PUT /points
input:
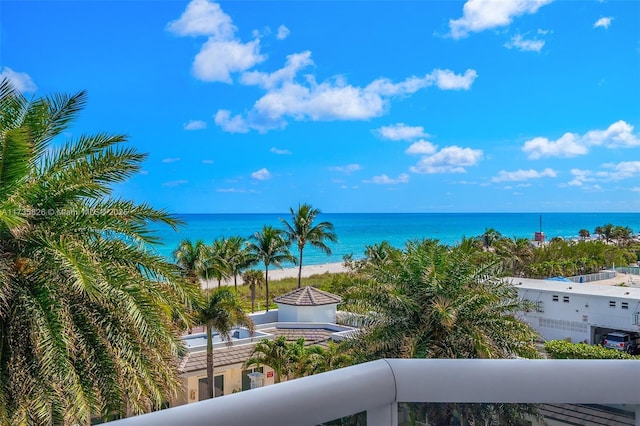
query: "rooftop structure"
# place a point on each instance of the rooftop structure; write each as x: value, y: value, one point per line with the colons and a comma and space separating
x: 307, y: 296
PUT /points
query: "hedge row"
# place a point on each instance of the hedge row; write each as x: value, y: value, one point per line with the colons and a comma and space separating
x: 561, y: 349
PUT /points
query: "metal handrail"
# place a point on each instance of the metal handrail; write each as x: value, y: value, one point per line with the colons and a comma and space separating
x: 366, y: 387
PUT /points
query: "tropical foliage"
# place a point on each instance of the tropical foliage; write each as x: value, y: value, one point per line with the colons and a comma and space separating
x: 269, y: 247
x: 302, y: 230
x: 430, y: 301
x: 221, y: 312
x: 87, y: 311
x: 291, y: 360
x: 253, y: 279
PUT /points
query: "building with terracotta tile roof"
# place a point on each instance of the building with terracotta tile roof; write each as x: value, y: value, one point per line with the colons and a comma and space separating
x: 306, y: 313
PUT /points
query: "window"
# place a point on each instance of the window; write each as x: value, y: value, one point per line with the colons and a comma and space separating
x: 555, y: 298
x: 539, y: 306
x: 246, y: 381
x: 612, y: 303
x: 218, y: 387
x: 565, y: 299
x: 624, y: 305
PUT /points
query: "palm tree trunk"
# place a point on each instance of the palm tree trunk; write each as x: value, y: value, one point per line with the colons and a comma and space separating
x: 266, y: 283
x: 300, y: 270
x: 253, y: 298
x: 235, y: 282
x: 209, y: 362
x: 219, y: 283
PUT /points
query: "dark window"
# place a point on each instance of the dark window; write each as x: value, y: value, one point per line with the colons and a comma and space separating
x: 612, y: 303
x: 555, y: 297
x: 565, y: 299
x: 624, y: 305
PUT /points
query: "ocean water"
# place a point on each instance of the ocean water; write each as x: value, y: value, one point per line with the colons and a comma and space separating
x: 357, y: 230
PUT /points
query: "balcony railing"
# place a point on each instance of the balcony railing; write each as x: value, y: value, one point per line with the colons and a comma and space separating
x: 377, y: 387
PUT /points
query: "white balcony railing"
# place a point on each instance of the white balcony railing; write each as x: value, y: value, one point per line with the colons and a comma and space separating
x: 376, y: 387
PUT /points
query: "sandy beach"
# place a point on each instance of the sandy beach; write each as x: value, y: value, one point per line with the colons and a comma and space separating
x: 277, y: 273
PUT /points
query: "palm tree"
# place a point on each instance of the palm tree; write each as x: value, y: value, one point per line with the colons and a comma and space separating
x: 192, y: 259
x: 584, y: 234
x: 268, y: 247
x: 253, y: 278
x: 434, y: 302
x: 605, y: 232
x: 489, y: 237
x: 222, y: 313
x: 302, y: 230
x: 278, y: 354
x: 87, y: 309
x: 237, y: 257
x: 319, y: 359
x: 218, y: 266
x: 515, y: 254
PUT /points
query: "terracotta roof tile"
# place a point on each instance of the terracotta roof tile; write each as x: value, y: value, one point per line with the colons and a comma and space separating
x: 195, y: 361
x: 307, y: 296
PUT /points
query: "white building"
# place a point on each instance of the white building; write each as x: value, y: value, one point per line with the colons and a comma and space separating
x: 579, y: 312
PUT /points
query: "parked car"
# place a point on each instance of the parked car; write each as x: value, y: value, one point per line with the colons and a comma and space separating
x: 622, y: 341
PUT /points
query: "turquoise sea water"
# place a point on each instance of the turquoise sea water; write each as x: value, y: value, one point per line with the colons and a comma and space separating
x: 357, y: 230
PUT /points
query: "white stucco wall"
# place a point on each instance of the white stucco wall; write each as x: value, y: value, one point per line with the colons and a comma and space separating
x: 322, y: 313
x: 576, y: 317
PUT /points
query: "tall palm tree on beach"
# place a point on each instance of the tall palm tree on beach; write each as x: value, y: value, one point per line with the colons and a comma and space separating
x: 86, y: 308
x: 254, y: 279
x: 192, y: 259
x: 237, y: 257
x: 218, y: 265
x: 303, y: 230
x: 222, y: 312
x: 269, y: 247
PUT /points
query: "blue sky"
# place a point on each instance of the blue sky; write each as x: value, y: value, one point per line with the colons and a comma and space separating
x: 359, y: 106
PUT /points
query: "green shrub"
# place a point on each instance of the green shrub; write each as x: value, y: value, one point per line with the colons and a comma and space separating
x: 561, y: 349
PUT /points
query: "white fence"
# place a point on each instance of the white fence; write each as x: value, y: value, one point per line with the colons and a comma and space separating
x: 377, y: 387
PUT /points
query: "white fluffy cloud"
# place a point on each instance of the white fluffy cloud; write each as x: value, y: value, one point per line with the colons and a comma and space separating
x: 195, y: 125
x: 451, y: 159
x: 524, y: 45
x: 222, y: 54
x: 618, y: 135
x: 278, y: 151
x: 334, y: 99
x: 401, y: 132
x: 620, y: 171
x: 603, y: 22
x: 386, y: 180
x: 170, y: 160
x: 480, y: 15
x: 235, y: 124
x: 347, y: 170
x: 20, y: 80
x: 421, y: 147
x: 262, y: 174
x: 203, y: 18
x: 522, y: 175
x: 219, y: 58
x: 611, y: 172
x: 283, y: 32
